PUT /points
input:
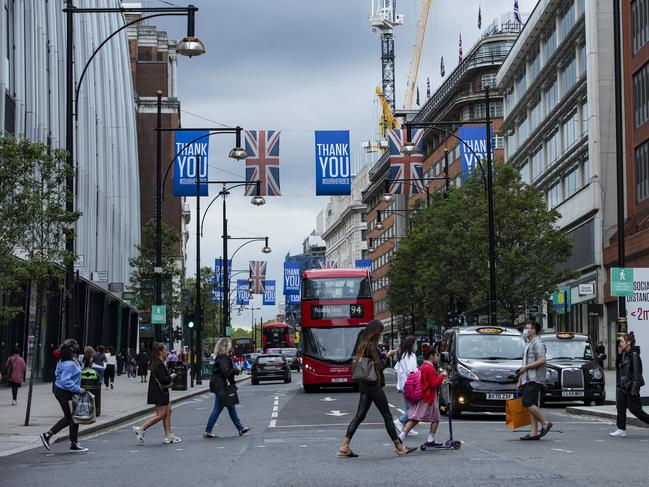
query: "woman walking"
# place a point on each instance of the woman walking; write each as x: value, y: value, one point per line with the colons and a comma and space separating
x: 159, y: 385
x: 372, y: 392
x: 629, y: 382
x: 14, y: 370
x: 407, y: 363
x: 427, y: 409
x: 142, y: 364
x: 222, y: 374
x: 111, y: 367
x: 67, y: 384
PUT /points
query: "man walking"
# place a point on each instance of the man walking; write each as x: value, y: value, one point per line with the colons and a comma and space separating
x: 531, y: 378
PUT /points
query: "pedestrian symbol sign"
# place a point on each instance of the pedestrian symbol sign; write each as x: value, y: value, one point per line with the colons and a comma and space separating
x: 621, y: 281
x: 159, y: 314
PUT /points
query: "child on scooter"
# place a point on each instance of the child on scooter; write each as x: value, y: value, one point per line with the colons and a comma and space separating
x: 427, y: 409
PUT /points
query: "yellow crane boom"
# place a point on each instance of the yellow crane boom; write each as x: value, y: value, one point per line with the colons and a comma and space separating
x: 417, y: 47
x: 388, y: 121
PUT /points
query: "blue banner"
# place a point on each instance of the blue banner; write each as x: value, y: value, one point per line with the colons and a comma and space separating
x: 333, y: 166
x: 218, y: 269
x: 185, y: 165
x: 364, y: 264
x: 269, y: 293
x: 216, y: 295
x: 242, y: 292
x: 292, y: 278
x: 293, y: 299
x: 475, y: 138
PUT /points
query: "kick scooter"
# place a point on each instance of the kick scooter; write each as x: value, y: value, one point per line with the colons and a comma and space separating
x: 450, y: 444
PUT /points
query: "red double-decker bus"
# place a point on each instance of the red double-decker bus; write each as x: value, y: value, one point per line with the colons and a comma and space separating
x: 336, y: 304
x: 275, y: 335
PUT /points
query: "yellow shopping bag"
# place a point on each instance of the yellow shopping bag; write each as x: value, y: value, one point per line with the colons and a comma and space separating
x: 516, y: 416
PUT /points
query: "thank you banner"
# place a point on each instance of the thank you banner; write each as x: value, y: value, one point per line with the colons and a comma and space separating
x: 242, y: 292
x: 333, y: 163
x: 191, y: 162
x: 474, y: 138
x: 364, y: 264
x: 269, y: 293
x: 218, y: 269
x: 293, y: 299
x: 291, y: 278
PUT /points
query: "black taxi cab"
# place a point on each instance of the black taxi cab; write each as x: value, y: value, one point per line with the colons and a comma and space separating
x: 572, y: 371
x: 481, y: 363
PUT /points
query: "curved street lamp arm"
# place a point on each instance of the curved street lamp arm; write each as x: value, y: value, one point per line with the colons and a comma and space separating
x: 85, y: 68
x: 205, y: 212
x: 229, y: 130
x: 224, y: 190
x: 252, y: 239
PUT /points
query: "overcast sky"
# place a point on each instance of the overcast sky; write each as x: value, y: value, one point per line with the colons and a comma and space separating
x: 299, y: 66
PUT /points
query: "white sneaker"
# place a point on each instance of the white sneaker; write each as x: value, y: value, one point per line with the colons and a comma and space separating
x: 412, y: 433
x: 13, y: 402
x: 399, y: 425
x: 172, y: 439
x: 618, y: 433
x: 139, y: 432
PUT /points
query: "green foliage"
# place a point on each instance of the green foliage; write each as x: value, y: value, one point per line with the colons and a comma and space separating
x: 142, y: 277
x: 445, y: 256
x: 241, y: 333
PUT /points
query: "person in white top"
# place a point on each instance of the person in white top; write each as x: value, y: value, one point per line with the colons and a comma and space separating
x: 111, y: 366
x: 407, y: 363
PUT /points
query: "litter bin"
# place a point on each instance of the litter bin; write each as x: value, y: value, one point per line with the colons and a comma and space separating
x: 180, y: 382
x: 91, y: 383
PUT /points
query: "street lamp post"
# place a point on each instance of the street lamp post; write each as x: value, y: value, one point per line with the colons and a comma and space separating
x: 188, y: 46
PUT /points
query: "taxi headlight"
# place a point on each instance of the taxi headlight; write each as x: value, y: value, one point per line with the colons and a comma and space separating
x: 466, y: 372
x: 551, y: 375
x: 596, y: 373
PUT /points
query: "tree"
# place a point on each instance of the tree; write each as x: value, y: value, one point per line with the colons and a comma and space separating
x: 445, y: 256
x: 142, y: 278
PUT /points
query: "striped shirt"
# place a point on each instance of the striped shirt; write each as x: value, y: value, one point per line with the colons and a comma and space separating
x: 535, y: 350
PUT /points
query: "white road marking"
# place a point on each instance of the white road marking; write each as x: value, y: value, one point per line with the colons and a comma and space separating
x: 273, y: 414
x: 261, y: 446
x: 336, y: 412
x: 132, y: 451
x: 324, y: 425
x: 220, y: 447
x: 205, y: 396
x: 302, y: 446
x: 273, y: 423
x: 400, y: 410
x: 328, y: 399
x: 179, y: 449
x: 391, y: 405
x: 562, y: 450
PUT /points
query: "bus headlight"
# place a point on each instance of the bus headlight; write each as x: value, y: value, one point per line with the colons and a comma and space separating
x: 466, y: 372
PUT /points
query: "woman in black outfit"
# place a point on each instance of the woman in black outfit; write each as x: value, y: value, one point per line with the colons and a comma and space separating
x: 372, y: 392
x: 629, y: 382
x: 159, y: 385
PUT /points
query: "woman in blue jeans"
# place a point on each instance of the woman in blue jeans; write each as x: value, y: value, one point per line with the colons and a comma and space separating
x: 222, y: 373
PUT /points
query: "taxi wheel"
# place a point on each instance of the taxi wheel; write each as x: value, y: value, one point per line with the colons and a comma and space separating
x: 254, y: 382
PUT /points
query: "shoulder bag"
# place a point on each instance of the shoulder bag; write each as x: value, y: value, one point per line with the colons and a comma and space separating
x: 163, y: 388
x: 363, y: 368
x: 229, y: 396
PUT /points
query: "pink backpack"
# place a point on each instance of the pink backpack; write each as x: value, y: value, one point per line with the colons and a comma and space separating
x: 412, y: 389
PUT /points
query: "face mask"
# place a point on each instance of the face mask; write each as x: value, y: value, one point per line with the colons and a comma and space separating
x: 526, y: 332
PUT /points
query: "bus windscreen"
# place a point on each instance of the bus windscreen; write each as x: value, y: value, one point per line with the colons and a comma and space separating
x: 330, y: 344
x: 337, y: 288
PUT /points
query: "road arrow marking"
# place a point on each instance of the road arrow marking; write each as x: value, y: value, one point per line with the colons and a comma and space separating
x: 328, y: 399
x: 335, y: 412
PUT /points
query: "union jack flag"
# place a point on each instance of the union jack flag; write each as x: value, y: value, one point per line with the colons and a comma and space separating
x: 403, y: 167
x: 517, y: 12
x: 262, y: 164
x: 328, y: 264
x: 258, y: 276
x: 460, y: 50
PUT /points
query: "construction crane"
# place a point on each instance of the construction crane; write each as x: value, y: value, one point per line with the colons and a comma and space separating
x: 388, y: 120
x: 417, y: 47
x: 383, y: 21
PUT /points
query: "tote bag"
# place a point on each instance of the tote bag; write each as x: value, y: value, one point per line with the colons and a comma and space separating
x: 516, y: 416
x: 364, y: 369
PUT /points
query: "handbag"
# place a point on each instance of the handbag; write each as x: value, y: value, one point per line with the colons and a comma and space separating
x: 228, y: 395
x: 8, y: 369
x: 83, y: 408
x: 516, y: 416
x: 364, y: 369
x: 163, y: 388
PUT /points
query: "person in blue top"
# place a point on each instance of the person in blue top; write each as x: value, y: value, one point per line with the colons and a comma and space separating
x: 68, y: 383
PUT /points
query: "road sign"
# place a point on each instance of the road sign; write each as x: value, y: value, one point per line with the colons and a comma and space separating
x: 431, y: 324
x: 128, y: 295
x: 159, y: 314
x: 99, y: 276
x: 533, y: 309
x: 621, y: 281
x: 116, y: 287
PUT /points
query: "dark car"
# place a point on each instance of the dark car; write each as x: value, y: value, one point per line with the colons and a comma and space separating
x: 481, y: 363
x: 572, y: 371
x: 270, y: 367
x: 292, y: 358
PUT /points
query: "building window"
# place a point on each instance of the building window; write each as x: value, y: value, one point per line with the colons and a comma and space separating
x: 521, y: 86
x: 8, y: 56
x: 568, y: 76
x: 552, y: 148
x: 479, y: 110
x: 584, y: 118
x: 582, y: 7
x: 522, y: 131
x: 641, y: 96
x: 567, y: 21
x: 525, y: 173
x: 639, y: 24
x: 499, y: 142
x: 554, y: 195
x: 550, y: 44
x: 535, y: 116
x: 642, y: 172
x: 512, y: 145
x: 551, y: 96
x: 571, y: 130
x: 537, y: 163
x: 585, y: 173
x: 535, y: 66
x: 510, y: 99
x: 582, y: 60
x: 488, y: 80
x: 571, y: 182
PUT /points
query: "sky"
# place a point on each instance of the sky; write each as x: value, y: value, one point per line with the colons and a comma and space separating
x: 298, y: 66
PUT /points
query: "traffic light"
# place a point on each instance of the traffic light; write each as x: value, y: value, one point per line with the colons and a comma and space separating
x: 189, y: 320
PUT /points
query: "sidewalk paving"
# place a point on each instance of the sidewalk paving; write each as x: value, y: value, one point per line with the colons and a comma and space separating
x: 126, y: 401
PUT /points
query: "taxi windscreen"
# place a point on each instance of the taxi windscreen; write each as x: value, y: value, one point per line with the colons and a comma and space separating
x: 336, y: 288
x: 568, y: 349
x: 490, y: 347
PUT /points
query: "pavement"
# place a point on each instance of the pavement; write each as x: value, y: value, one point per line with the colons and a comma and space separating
x: 126, y: 401
x: 295, y: 437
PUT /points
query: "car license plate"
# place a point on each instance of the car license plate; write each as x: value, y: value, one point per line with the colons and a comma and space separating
x: 500, y: 397
x: 339, y: 379
x: 572, y: 393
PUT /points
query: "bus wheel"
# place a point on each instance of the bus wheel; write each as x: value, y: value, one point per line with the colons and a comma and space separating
x: 310, y: 388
